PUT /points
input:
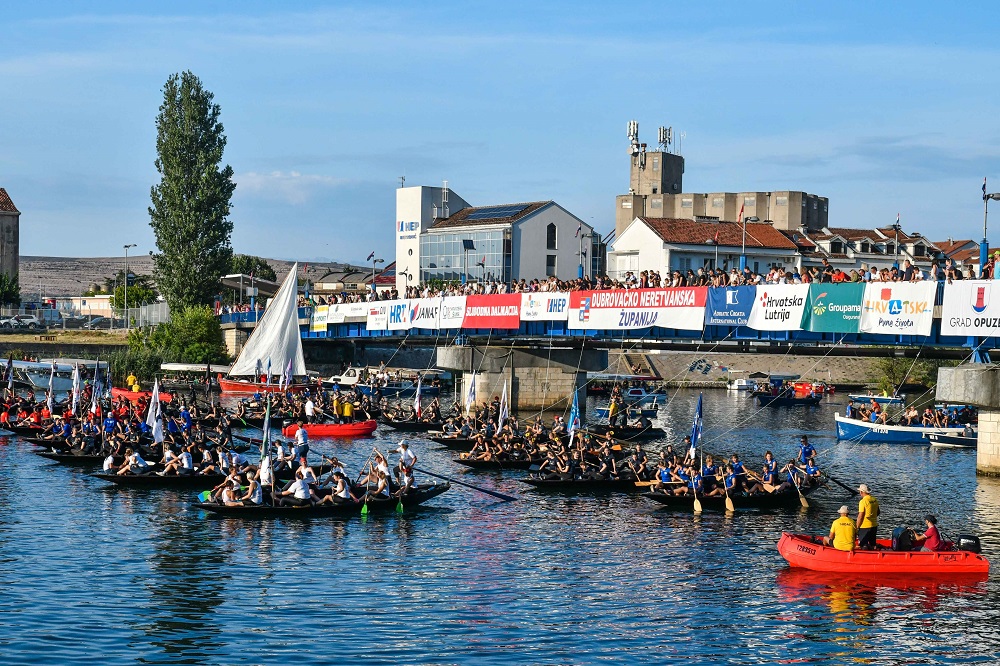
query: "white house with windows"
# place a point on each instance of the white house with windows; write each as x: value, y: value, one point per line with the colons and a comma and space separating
x: 850, y: 249
x: 661, y: 244
x: 439, y: 236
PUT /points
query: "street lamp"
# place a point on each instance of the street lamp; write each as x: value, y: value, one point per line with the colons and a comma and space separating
x: 467, y: 244
x: 375, y: 261
x: 126, y: 285
x: 743, y: 252
x: 712, y: 241
x: 582, y: 255
x: 984, y: 245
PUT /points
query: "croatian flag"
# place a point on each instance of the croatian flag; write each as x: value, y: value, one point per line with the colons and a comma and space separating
x: 984, y: 189
x: 579, y: 228
x: 696, y: 429
x: 574, y: 417
x: 76, y: 388
x: 370, y: 256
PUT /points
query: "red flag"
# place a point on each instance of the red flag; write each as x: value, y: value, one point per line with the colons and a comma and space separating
x: 716, y: 236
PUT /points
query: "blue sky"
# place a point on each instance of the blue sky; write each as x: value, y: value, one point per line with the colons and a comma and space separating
x: 882, y: 107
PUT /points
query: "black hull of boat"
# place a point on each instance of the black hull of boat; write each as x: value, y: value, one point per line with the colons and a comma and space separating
x: 187, y: 481
x: 413, y: 426
x: 497, y: 465
x: 411, y: 501
x: 787, y: 499
x: 588, y: 486
x: 629, y: 434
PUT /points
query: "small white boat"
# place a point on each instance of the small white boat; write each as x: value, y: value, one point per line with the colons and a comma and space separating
x: 639, y: 396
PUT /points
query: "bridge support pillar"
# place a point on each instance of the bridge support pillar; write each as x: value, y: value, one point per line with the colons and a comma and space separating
x: 979, y: 385
x: 234, y: 338
x: 537, y: 379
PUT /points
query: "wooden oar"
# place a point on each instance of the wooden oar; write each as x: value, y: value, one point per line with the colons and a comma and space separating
x: 802, y: 498
x: 729, y: 500
x: 853, y: 491
x: 505, y: 498
x: 697, y: 502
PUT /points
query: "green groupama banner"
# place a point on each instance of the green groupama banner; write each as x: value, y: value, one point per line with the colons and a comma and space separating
x: 834, y: 308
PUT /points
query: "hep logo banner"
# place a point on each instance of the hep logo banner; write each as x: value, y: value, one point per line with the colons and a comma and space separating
x: 407, y: 226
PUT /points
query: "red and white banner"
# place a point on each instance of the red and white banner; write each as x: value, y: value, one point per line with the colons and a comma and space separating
x: 678, y: 307
x: 494, y: 311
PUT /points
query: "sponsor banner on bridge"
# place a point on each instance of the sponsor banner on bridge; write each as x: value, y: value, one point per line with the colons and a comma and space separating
x: 679, y: 307
x: 729, y: 306
x: 778, y: 307
x: 493, y: 311
x: 452, y: 312
x: 352, y: 312
x: 398, y: 315
x: 971, y: 307
x: 320, y: 315
x: 378, y: 316
x: 834, y: 308
x: 545, y: 306
x: 424, y: 312
x: 898, y: 308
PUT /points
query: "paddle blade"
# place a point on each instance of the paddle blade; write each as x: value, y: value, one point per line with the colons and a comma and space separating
x: 803, y: 501
x: 729, y: 504
x: 364, y: 509
x: 697, y: 505
x: 399, y: 507
x: 205, y: 496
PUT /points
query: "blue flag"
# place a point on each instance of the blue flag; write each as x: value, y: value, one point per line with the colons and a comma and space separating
x: 696, y: 429
x: 574, y: 416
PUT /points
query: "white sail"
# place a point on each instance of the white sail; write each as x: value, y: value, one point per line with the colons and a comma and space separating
x: 277, y: 334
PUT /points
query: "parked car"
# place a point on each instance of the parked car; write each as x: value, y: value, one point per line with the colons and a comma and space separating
x: 103, y: 323
x: 30, y: 322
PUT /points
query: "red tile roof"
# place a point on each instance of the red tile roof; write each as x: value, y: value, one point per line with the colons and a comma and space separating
x: 689, y: 232
x: 460, y: 219
x: 856, y: 234
x: 949, y: 246
x: 6, y: 205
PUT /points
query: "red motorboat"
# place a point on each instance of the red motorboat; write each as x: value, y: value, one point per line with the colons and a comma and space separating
x: 801, y: 550
x: 244, y: 386
x: 356, y: 429
x: 135, y: 396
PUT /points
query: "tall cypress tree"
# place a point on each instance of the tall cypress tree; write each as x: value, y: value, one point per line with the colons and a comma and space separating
x: 190, y: 211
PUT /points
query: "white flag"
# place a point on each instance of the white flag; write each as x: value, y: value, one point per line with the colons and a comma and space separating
x: 154, y: 405
x: 503, y: 406
x: 470, y: 394
x: 76, y: 388
x: 52, y: 376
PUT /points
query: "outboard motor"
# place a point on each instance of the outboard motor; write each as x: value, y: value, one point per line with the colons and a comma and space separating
x: 285, y: 423
x: 903, y: 538
x: 968, y: 542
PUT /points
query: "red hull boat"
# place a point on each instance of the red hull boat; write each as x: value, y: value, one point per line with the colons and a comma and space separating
x: 234, y: 386
x: 135, y: 396
x: 357, y: 429
x: 808, y: 552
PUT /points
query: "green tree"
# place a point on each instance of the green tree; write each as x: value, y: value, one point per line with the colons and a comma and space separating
x: 192, y: 335
x: 190, y: 206
x: 251, y: 265
x: 10, y: 290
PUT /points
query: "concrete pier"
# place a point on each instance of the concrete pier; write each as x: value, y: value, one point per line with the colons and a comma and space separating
x: 979, y: 385
x: 537, y: 379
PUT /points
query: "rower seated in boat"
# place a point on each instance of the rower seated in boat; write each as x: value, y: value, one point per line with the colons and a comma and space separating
x: 930, y: 540
x: 207, y: 463
x: 296, y: 493
x: 843, y: 532
x: 254, y: 495
x: 340, y: 491
x: 812, y: 473
x: 134, y: 464
x: 231, y: 494
x: 109, y: 466
x: 405, y: 482
x: 793, y: 477
x: 181, y: 465
x: 381, y: 489
x: 708, y: 473
x: 726, y: 481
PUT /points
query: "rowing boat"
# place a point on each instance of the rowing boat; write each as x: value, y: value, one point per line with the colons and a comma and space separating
x: 135, y: 396
x: 776, y: 500
x: 628, y: 433
x: 767, y: 400
x: 414, y: 426
x: 808, y: 552
x: 411, y: 500
x: 182, y: 481
x: 858, y: 430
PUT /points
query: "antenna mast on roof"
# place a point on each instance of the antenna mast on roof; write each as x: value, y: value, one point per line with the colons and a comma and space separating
x: 665, y: 136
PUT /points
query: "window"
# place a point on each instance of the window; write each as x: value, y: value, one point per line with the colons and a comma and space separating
x: 550, y: 265
x: 890, y: 248
x: 656, y: 164
x: 626, y: 204
x: 918, y: 250
x: 749, y: 201
x: 836, y: 247
x: 687, y: 203
x: 655, y: 203
x: 718, y: 202
x: 781, y: 201
x: 550, y: 238
x: 865, y: 246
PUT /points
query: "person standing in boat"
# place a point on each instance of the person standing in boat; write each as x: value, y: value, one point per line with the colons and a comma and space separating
x: 842, y: 533
x: 301, y: 443
x: 867, y: 523
x: 806, y: 450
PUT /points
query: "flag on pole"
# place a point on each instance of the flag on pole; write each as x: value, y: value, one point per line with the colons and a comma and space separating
x: 370, y: 256
x: 76, y: 388
x: 579, y: 228
x: 10, y: 373
x: 95, y: 390
x: 259, y: 370
x: 502, y: 416
x: 984, y: 189
x: 416, y: 398
x: 268, y: 380
x: 696, y: 429
x: 897, y: 219
x: 155, y: 414
x: 470, y: 394
x: 265, y: 442
x: 287, y: 378
x: 574, y: 416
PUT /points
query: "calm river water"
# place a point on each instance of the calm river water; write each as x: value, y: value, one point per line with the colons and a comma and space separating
x: 93, y: 574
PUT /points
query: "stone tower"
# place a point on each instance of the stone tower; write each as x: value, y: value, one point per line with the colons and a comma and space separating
x: 10, y: 250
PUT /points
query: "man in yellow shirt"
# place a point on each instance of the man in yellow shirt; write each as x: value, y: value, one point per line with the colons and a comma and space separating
x: 868, y: 512
x: 842, y: 532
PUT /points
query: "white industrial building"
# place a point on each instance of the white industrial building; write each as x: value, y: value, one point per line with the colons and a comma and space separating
x: 440, y: 236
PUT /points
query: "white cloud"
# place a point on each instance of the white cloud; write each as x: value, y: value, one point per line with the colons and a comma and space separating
x: 289, y: 187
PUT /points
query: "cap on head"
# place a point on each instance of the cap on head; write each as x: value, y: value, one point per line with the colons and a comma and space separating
x: 843, y: 510
x: 863, y: 488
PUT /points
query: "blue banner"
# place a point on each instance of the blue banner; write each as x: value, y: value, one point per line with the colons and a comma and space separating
x: 729, y: 306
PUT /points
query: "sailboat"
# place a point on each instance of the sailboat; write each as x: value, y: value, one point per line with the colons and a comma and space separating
x: 275, y: 342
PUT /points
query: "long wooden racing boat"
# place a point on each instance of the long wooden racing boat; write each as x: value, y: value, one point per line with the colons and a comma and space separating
x: 495, y: 465
x: 628, y: 433
x: 182, y: 481
x: 246, y: 386
x: 356, y: 429
x: 588, y: 485
x: 414, y: 426
x: 801, y: 550
x: 776, y: 500
x: 81, y: 460
x: 413, y: 499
